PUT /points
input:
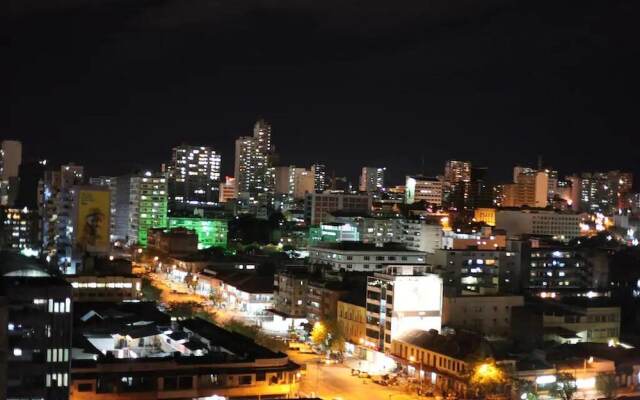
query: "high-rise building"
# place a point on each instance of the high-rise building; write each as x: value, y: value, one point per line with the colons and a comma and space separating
x: 530, y: 188
x: 55, y: 206
x: 254, y: 172
x: 400, y: 299
x: 372, y: 179
x: 38, y: 330
x: 319, y: 177
x: 148, y: 205
x: 227, y: 189
x: 10, y: 160
x: 421, y: 188
x: 604, y: 192
x: 457, y: 183
x: 110, y: 182
x: 193, y: 176
x: 481, y: 191
x: 19, y: 230
x: 292, y: 184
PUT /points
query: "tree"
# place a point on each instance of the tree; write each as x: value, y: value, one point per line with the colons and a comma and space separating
x: 328, y: 335
x: 150, y: 292
x: 184, y: 310
x: 487, y: 377
x: 565, y: 387
x: 319, y: 334
x: 607, y: 385
x: 216, y: 297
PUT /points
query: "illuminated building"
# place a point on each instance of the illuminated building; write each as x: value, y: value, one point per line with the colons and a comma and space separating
x: 333, y: 232
x: 421, y: 235
x: 604, y: 192
x: 148, y: 206
x: 292, y: 184
x: 371, y: 229
x: 254, y: 172
x: 559, y: 225
x: 19, y: 229
x: 484, y: 238
x: 10, y: 161
x: 529, y: 189
x: 318, y: 206
x: 290, y: 293
x: 211, y: 232
x: 486, y: 215
x: 473, y: 271
x: 372, y: 179
x: 55, y: 206
x: 486, y: 315
x: 440, y: 361
x: 38, y: 329
x: 362, y: 257
x: 320, y: 182
x: 145, y: 355
x: 227, y: 189
x: 322, y: 300
x: 238, y: 290
x: 420, y: 188
x: 105, y: 287
x: 401, y: 299
x: 352, y: 317
x: 193, y: 176
x: 456, y: 187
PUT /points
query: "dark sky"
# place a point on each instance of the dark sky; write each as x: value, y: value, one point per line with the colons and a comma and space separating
x: 113, y: 84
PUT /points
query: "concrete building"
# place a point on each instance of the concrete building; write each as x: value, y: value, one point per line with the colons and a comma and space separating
x: 530, y: 188
x: 420, y: 188
x: 473, y: 271
x: 148, y: 206
x: 372, y: 179
x: 604, y: 192
x: 38, y: 329
x: 421, y: 235
x: 10, y: 161
x: 318, y: 206
x: 292, y: 184
x: 290, y: 293
x: 558, y: 225
x: 109, y: 288
x: 111, y: 182
x: 211, y: 232
x: 399, y: 300
x: 172, y: 240
x: 322, y: 300
x: 126, y: 359
x: 488, y: 315
x: 361, y: 257
x: 227, y: 190
x: 352, y: 317
x: 371, y: 229
x: 193, y: 176
x: 55, y: 206
x: 254, y: 172
x: 242, y: 291
x: 19, y: 230
x: 320, y: 181
x: 484, y: 238
x: 456, y: 187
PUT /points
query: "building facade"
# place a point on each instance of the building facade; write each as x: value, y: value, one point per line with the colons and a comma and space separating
x: 318, y: 206
x: 211, y: 232
x: 148, y: 206
x: 556, y: 224
x: 372, y: 179
x: 420, y: 188
x: 487, y: 315
x: 193, y: 176
x: 361, y: 257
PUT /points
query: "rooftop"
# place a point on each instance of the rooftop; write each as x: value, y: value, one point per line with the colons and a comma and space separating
x: 360, y: 246
x: 461, y: 345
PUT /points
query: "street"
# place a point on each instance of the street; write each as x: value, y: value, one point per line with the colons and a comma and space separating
x: 334, y: 381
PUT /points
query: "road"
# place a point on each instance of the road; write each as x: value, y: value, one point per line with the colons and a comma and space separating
x: 335, y: 381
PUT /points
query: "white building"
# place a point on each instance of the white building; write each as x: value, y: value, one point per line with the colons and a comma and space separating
x: 253, y: 171
x: 420, y: 235
x: 372, y: 179
x: 559, y: 225
x: 358, y: 256
x: 400, y: 299
x: 421, y: 188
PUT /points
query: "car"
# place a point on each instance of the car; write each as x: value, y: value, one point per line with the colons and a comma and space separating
x: 380, y: 380
x: 363, y: 374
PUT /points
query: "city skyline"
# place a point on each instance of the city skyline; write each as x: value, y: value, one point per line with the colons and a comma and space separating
x: 394, y: 93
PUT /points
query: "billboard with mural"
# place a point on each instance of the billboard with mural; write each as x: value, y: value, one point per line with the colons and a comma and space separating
x: 92, y: 219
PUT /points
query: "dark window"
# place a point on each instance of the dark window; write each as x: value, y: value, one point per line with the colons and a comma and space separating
x: 373, y: 333
x: 245, y: 380
x: 261, y: 376
x: 170, y: 383
x: 85, y: 387
x: 185, y: 382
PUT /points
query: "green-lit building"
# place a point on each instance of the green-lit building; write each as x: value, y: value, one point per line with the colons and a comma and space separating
x: 148, y: 205
x: 211, y: 232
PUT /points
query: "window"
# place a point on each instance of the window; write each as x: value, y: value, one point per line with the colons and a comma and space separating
x: 261, y: 376
x: 245, y: 380
x: 170, y: 383
x: 185, y: 382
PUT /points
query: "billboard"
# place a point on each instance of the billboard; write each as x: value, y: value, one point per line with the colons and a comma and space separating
x: 92, y: 219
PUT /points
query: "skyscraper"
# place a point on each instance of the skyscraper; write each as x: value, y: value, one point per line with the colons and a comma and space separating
x: 372, y: 179
x: 194, y: 176
x: 319, y: 177
x: 457, y: 183
x: 148, y: 205
x: 254, y: 173
x: 604, y: 191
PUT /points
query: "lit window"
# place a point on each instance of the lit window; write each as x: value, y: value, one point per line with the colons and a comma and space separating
x: 17, y: 352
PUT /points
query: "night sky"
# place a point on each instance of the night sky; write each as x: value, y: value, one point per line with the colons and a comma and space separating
x: 113, y: 84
